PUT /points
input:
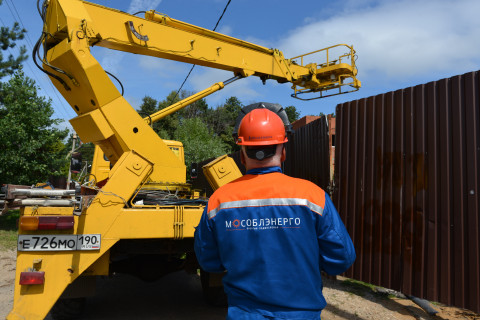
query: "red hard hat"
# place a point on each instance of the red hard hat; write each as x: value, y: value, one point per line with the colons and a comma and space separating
x: 261, y: 127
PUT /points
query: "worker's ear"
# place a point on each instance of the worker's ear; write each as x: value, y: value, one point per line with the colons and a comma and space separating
x: 284, y: 154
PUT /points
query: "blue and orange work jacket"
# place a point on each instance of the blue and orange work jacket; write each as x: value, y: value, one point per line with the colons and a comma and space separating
x: 273, y: 234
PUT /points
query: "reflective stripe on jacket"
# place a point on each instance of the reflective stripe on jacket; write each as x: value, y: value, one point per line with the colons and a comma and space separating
x: 273, y: 234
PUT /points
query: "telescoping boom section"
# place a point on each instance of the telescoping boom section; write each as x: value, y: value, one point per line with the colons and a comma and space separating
x: 66, y: 238
x: 73, y: 26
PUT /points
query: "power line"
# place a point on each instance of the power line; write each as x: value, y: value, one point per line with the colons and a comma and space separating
x: 29, y: 41
x: 40, y: 85
x: 193, y: 66
x: 225, y: 9
x: 30, y: 44
x: 38, y: 81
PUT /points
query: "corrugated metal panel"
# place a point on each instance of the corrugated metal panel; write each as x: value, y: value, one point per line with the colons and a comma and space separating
x: 331, y: 143
x: 308, y: 153
x: 407, y: 182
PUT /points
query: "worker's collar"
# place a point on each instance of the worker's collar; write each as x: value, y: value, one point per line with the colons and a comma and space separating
x: 264, y: 170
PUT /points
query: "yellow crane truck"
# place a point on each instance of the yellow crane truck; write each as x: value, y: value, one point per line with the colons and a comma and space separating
x: 68, y: 237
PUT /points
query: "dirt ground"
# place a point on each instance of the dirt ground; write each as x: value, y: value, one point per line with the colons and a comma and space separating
x: 7, y: 279
x: 345, y: 301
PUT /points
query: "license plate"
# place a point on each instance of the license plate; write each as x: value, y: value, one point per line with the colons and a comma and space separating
x: 59, y: 242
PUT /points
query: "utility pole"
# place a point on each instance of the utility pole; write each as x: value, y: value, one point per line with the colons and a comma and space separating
x: 69, y: 179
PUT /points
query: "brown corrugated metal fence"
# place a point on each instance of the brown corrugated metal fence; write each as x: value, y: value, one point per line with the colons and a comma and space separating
x: 307, y: 153
x: 406, y: 185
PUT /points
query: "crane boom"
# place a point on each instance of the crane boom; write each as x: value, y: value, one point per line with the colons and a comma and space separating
x: 71, y: 27
x: 163, y: 37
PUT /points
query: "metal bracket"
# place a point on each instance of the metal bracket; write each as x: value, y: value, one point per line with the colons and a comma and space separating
x: 135, y: 32
x: 79, y: 206
x: 284, y: 65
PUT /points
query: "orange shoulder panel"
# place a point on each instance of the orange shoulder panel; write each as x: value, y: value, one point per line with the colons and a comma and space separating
x: 267, y: 186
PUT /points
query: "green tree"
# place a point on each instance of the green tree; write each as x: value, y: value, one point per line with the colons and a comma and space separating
x: 198, y: 109
x: 32, y: 147
x: 148, y: 107
x: 222, y: 121
x: 166, y: 126
x: 198, y: 141
x: 8, y: 36
x: 292, y: 113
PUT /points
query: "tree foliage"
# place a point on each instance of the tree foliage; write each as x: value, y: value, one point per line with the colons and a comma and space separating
x: 32, y: 148
x: 166, y: 127
x: 8, y: 38
x: 148, y: 107
x: 292, y: 113
x: 198, y: 141
x: 222, y: 121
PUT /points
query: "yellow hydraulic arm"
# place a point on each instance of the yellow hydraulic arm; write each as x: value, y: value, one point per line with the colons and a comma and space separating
x: 73, y: 26
x: 187, y: 101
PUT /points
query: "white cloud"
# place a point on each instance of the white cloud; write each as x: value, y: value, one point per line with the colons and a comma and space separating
x: 111, y: 60
x: 399, y: 40
x: 134, y: 101
x: 260, y: 42
x: 225, y: 30
x: 142, y: 5
x: 161, y: 67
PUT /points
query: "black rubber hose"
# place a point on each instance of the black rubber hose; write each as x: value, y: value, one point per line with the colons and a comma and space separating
x: 424, y: 304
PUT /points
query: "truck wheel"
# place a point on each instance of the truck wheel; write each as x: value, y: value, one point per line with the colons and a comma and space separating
x: 213, y: 289
x: 68, y: 309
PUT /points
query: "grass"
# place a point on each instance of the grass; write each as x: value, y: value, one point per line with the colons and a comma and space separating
x: 8, y: 230
x: 358, y: 288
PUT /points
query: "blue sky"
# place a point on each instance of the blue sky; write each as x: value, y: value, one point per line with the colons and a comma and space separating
x: 399, y: 44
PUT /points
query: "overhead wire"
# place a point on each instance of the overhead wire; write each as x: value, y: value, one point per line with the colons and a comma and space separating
x: 193, y: 66
x: 38, y: 82
x: 219, y: 19
x: 29, y: 43
x: 19, y: 19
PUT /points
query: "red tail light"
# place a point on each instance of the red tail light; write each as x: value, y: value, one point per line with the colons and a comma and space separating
x: 35, y: 277
x: 65, y: 222
x: 47, y: 222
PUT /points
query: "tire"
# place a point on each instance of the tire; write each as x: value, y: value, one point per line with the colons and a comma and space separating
x: 68, y: 309
x: 214, y: 295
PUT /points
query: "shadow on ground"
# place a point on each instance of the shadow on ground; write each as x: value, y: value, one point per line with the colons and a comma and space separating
x: 175, y: 296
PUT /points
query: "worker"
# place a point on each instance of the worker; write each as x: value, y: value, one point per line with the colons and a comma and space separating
x: 271, y: 233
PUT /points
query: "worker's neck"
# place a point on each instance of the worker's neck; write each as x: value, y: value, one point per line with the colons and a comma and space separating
x: 275, y: 161
x: 250, y: 166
